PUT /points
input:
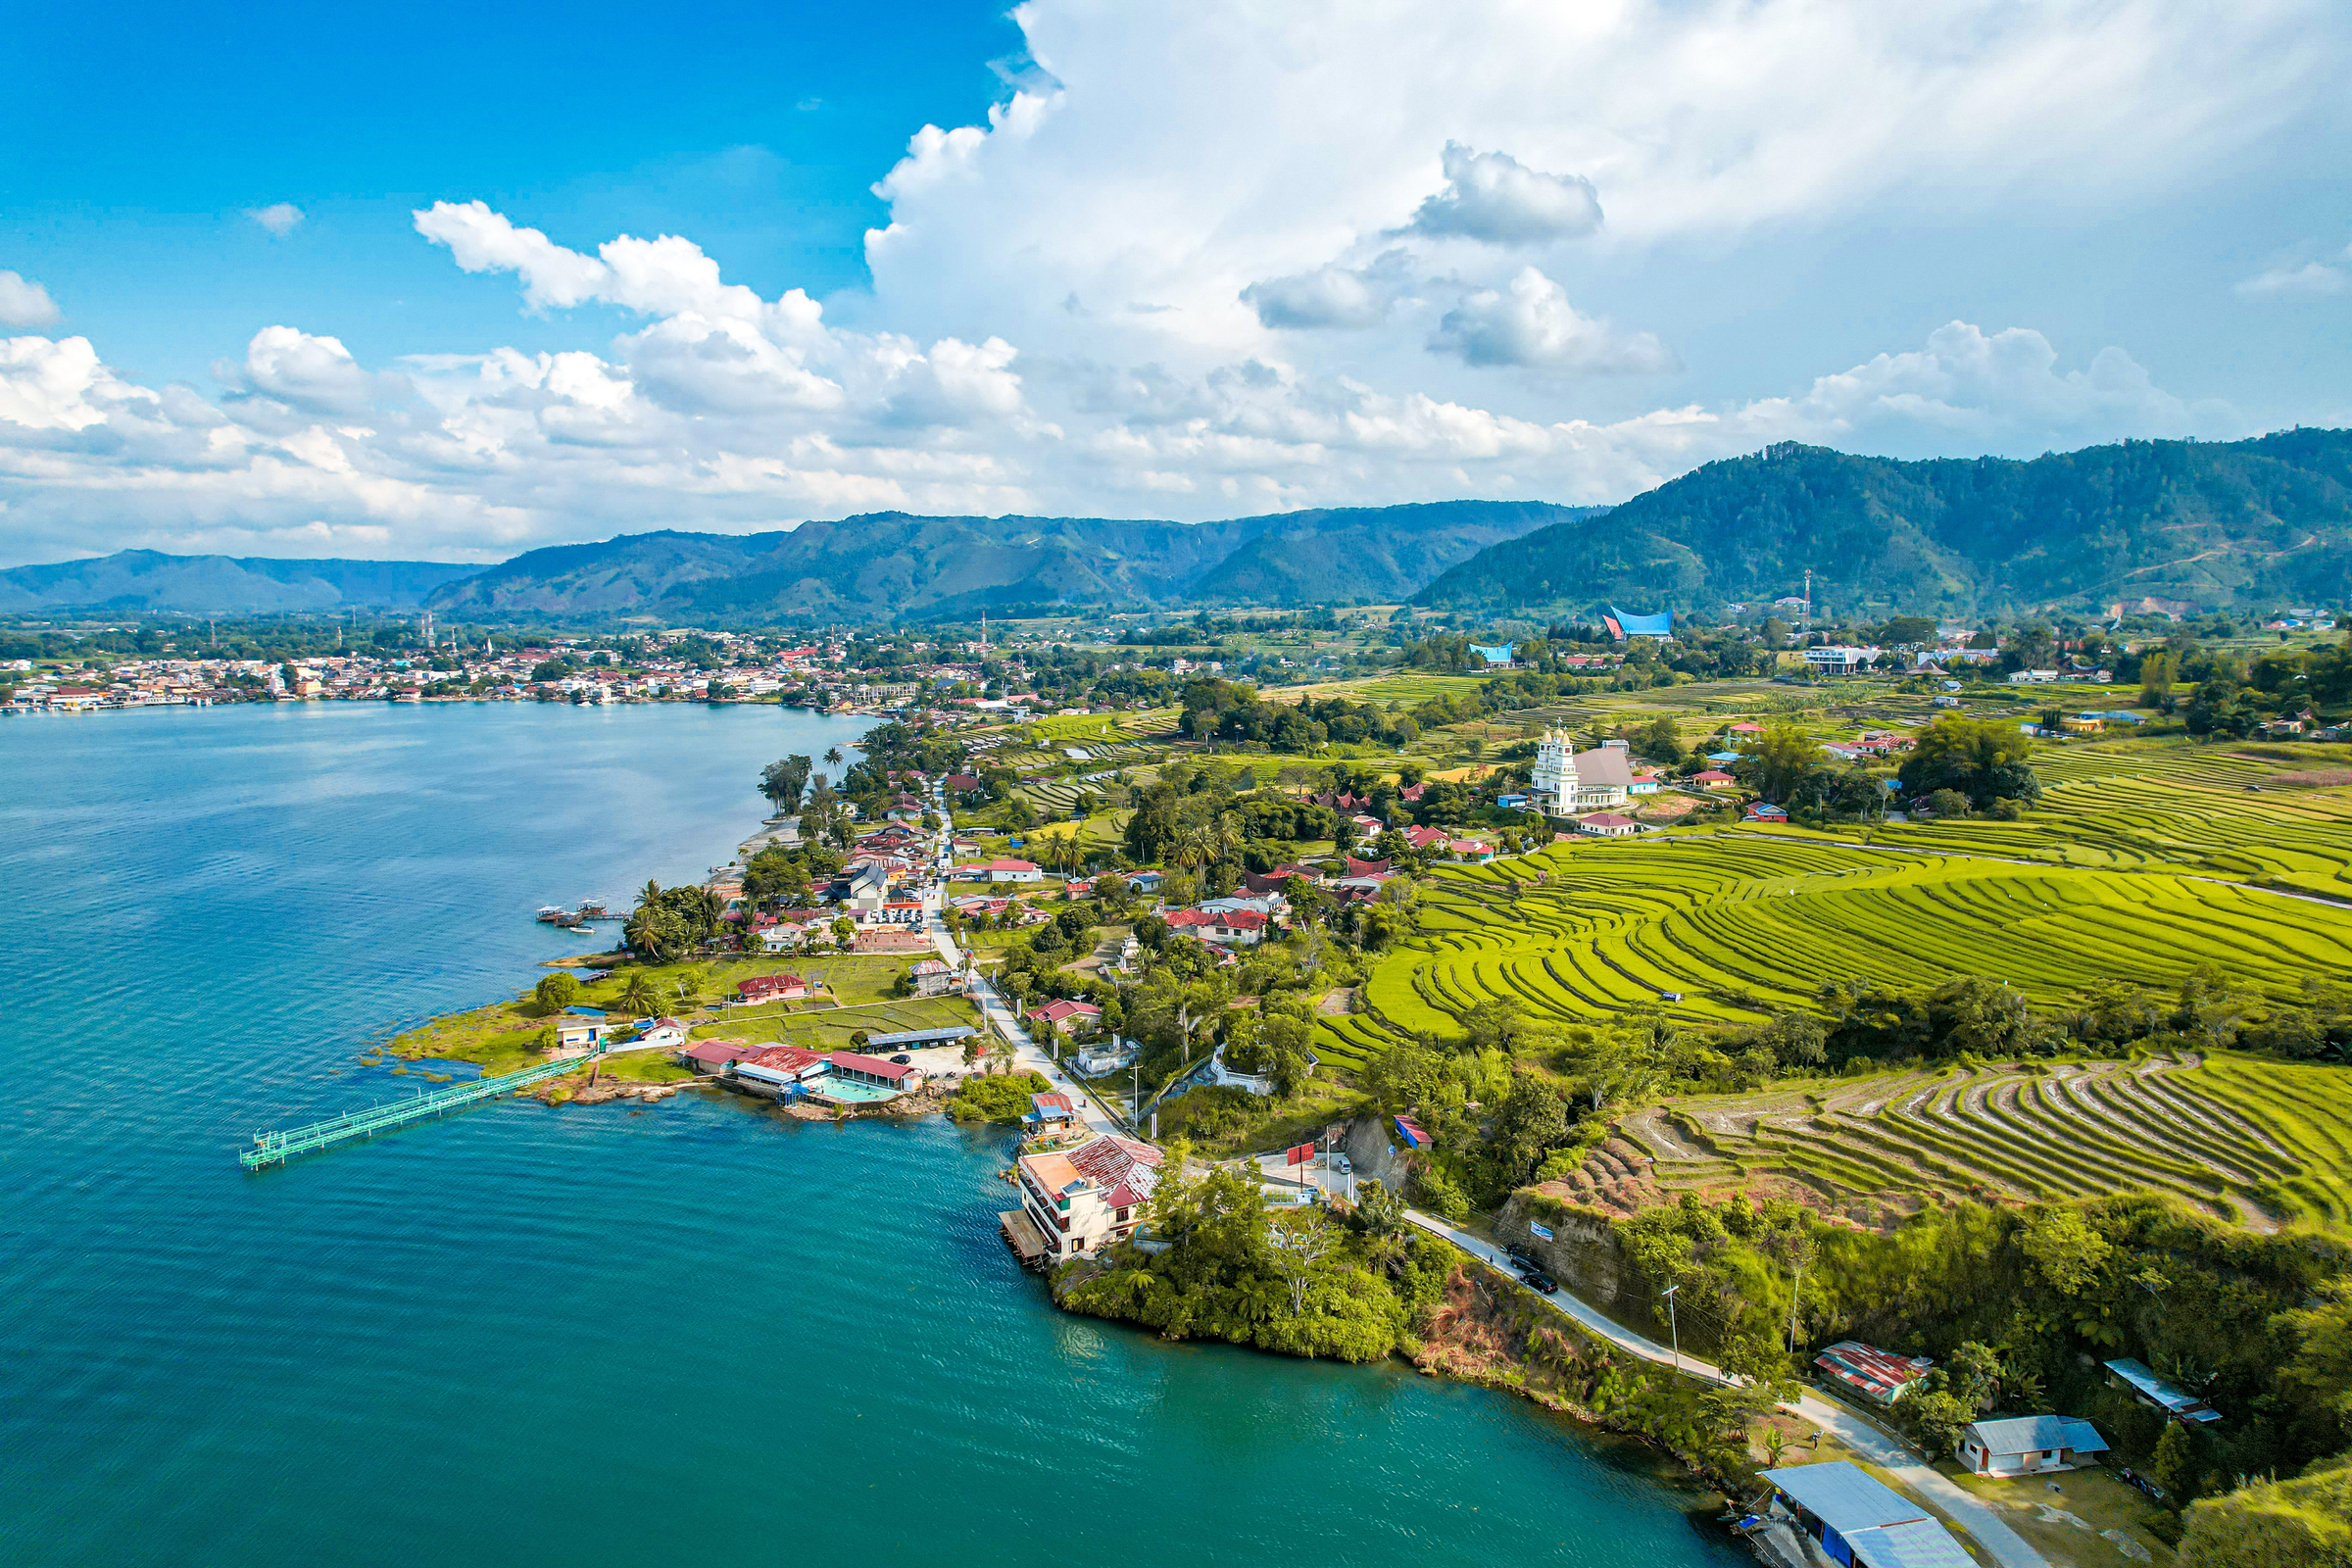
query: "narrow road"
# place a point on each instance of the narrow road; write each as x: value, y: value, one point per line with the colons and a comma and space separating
x: 1027, y: 1055
x: 1850, y: 1427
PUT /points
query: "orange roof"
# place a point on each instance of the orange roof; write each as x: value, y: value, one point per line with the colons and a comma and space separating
x: 1053, y: 1172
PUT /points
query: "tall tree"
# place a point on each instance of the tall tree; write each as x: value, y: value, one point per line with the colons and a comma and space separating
x: 782, y: 782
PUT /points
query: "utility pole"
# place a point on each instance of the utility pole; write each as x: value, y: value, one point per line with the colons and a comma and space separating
x: 1808, y: 615
x: 1794, y: 1290
x: 1674, y: 1327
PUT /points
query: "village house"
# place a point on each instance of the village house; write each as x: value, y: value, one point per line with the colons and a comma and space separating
x: 580, y: 1029
x: 777, y: 987
x: 935, y: 978
x: 1237, y: 927
x: 658, y: 1034
x: 1078, y: 1202
x: 1714, y: 778
x: 2029, y: 1444
x: 1050, y: 1112
x: 998, y: 870
x: 1608, y: 825
x: 1065, y: 1017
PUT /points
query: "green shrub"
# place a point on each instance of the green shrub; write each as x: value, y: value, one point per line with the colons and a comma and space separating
x: 998, y: 1097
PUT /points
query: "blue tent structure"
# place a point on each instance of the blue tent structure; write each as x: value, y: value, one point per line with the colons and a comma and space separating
x: 1623, y: 625
x: 1493, y: 656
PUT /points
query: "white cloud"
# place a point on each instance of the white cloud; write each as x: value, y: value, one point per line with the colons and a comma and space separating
x: 2313, y: 281
x: 1333, y: 295
x: 1496, y: 198
x: 1096, y: 301
x: 278, y: 217
x: 1529, y: 322
x: 24, y: 303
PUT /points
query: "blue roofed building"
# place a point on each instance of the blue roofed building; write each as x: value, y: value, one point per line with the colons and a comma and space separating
x: 2029, y: 1444
x: 1495, y: 657
x: 1623, y: 625
x: 1860, y: 1521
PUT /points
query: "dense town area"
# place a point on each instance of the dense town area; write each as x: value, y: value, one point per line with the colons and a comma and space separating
x: 1677, y: 1024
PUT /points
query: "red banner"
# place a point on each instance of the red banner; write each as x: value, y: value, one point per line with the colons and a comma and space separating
x: 1301, y: 1154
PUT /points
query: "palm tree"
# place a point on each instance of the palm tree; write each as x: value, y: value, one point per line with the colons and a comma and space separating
x: 639, y: 995
x: 833, y: 754
x: 648, y: 893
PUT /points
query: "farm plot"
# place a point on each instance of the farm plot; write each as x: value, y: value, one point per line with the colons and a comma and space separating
x: 2240, y: 1139
x: 1737, y: 926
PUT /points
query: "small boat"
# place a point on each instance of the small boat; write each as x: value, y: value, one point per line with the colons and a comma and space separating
x: 593, y: 910
x: 549, y: 914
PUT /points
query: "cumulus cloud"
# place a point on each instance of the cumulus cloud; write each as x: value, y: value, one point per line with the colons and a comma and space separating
x: 1333, y: 295
x: 24, y: 303
x: 1529, y: 322
x: 278, y: 217
x: 1496, y: 198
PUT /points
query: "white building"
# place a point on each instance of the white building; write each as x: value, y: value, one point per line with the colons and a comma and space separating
x: 1082, y: 1201
x: 2029, y: 1444
x: 1839, y: 661
x: 1568, y: 781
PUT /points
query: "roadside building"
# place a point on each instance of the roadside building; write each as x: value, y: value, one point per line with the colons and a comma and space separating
x: 1861, y: 1521
x: 934, y: 978
x: 1080, y: 1201
x: 1608, y: 825
x: 2029, y: 1444
x: 998, y: 870
x: 1066, y: 1017
x: 1714, y: 778
x: 1765, y: 811
x: 713, y: 1058
x: 1050, y: 1113
x: 1880, y: 1376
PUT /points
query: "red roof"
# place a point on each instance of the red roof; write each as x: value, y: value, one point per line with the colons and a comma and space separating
x: 1053, y: 1104
x: 1055, y: 1011
x: 876, y: 1066
x: 717, y: 1052
x: 785, y: 1059
x: 1356, y: 867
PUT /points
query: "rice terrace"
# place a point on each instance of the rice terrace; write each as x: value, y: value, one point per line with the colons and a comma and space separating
x: 2144, y: 865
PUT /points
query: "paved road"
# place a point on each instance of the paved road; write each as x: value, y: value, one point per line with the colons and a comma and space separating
x: 1026, y: 1053
x: 1856, y: 1431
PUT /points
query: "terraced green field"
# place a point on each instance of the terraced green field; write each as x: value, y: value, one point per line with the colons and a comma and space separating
x: 2241, y: 1138
x: 1743, y: 922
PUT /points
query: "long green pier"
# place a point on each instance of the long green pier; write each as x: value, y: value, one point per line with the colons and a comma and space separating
x: 275, y: 1149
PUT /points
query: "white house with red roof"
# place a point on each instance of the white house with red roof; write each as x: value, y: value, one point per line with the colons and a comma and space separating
x: 1608, y: 825
x: 998, y: 870
x: 1066, y: 1017
x: 1241, y: 928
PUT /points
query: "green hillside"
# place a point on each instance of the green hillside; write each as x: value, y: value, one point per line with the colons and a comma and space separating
x: 2212, y: 525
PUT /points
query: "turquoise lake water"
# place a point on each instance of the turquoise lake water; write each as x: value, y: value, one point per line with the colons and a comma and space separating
x: 681, y: 1333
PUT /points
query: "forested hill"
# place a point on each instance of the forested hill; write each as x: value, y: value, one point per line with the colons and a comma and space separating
x: 884, y: 564
x: 133, y: 580
x: 2209, y: 524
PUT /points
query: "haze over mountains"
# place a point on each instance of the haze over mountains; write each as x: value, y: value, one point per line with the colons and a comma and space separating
x: 2210, y: 526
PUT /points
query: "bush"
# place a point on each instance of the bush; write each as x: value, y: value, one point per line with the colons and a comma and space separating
x: 1002, y: 1097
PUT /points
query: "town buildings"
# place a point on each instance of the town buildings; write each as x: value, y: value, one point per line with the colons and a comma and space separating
x: 1075, y: 1203
x: 1569, y: 782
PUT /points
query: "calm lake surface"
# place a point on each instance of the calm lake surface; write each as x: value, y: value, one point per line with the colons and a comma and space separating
x: 687, y: 1333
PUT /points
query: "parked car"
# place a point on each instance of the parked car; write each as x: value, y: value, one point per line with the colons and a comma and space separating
x: 901, y: 1059
x: 1521, y: 1256
x: 1538, y: 1281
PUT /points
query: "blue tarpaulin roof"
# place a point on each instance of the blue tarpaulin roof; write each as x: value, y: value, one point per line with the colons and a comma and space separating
x: 1660, y: 625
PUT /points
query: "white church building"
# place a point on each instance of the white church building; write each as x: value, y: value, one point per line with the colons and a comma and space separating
x: 1569, y: 782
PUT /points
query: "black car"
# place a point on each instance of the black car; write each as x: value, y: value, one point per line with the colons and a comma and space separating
x: 901, y: 1059
x: 1521, y: 1256
x: 1538, y: 1281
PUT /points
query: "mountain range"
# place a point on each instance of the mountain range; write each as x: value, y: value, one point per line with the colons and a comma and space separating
x: 2160, y: 525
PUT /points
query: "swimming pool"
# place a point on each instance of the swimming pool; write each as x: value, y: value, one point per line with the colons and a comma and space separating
x: 844, y: 1092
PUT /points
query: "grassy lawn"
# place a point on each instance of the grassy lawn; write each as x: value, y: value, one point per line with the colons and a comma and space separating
x: 2096, y: 1501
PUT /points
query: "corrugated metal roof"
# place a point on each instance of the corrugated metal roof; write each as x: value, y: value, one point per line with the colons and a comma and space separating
x: 1916, y: 1544
x: 2029, y: 1434
x: 1844, y: 1495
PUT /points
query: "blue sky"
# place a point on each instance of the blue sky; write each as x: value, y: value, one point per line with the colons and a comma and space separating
x: 451, y: 283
